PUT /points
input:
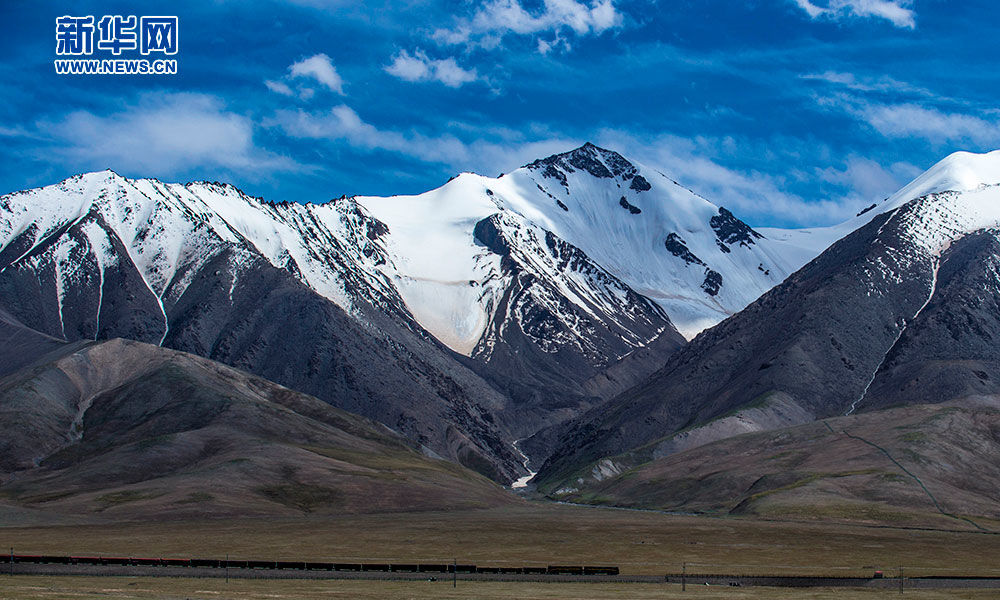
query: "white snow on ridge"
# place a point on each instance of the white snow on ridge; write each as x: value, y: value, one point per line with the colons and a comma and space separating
x: 958, y: 172
x: 436, y: 265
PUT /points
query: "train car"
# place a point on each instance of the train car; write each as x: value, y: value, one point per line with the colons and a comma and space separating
x: 512, y: 570
x: 316, y: 566
x: 564, y: 570
x: 177, y: 562
x: 210, y: 563
x: 462, y: 568
x: 488, y: 570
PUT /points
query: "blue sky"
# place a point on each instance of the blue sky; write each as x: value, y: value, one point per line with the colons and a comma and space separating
x: 789, y: 112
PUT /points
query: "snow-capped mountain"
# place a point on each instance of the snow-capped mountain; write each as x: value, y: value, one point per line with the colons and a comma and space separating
x: 537, y: 281
x: 696, y: 260
x: 418, y: 257
x: 205, y: 269
x: 198, y: 266
x: 901, y: 310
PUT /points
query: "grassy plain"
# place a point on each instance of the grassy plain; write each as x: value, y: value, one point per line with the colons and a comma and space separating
x: 536, y: 534
x: 134, y: 588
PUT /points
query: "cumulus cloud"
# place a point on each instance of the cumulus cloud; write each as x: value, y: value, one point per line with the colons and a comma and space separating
x: 320, y: 68
x: 495, y: 19
x: 317, y: 69
x: 897, y: 12
x: 418, y: 67
x: 161, y: 134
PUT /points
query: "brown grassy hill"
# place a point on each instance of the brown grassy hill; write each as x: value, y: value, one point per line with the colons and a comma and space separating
x: 130, y: 430
x: 910, y: 466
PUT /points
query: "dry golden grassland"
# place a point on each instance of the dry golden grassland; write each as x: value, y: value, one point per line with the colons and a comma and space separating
x: 638, y: 542
x: 128, y: 588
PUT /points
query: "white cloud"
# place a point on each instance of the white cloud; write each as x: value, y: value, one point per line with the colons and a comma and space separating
x: 881, y: 84
x: 419, y: 67
x: 756, y: 196
x: 279, y: 87
x: 496, y: 18
x: 511, y: 150
x: 449, y: 73
x: 161, y: 135
x: 895, y: 11
x: 868, y: 180
x: 320, y: 68
x: 911, y: 120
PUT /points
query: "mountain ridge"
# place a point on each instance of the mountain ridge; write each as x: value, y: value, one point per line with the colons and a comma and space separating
x: 813, y: 346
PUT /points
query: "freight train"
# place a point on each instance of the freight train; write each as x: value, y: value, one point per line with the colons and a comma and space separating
x: 214, y: 563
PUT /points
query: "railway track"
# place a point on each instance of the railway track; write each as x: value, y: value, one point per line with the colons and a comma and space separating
x: 249, y: 569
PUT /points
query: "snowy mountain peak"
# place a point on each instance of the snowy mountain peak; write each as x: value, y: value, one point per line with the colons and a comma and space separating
x: 699, y: 262
x: 960, y: 171
x: 598, y: 162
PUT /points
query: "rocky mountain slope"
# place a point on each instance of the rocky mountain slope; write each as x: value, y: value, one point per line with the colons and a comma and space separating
x: 899, y: 311
x: 128, y: 430
x: 100, y: 256
x: 913, y: 466
x: 464, y: 317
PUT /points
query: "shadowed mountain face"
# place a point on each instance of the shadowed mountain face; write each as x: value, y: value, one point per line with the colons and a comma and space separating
x: 902, y: 311
x: 541, y: 349
x: 130, y: 430
x: 952, y: 349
